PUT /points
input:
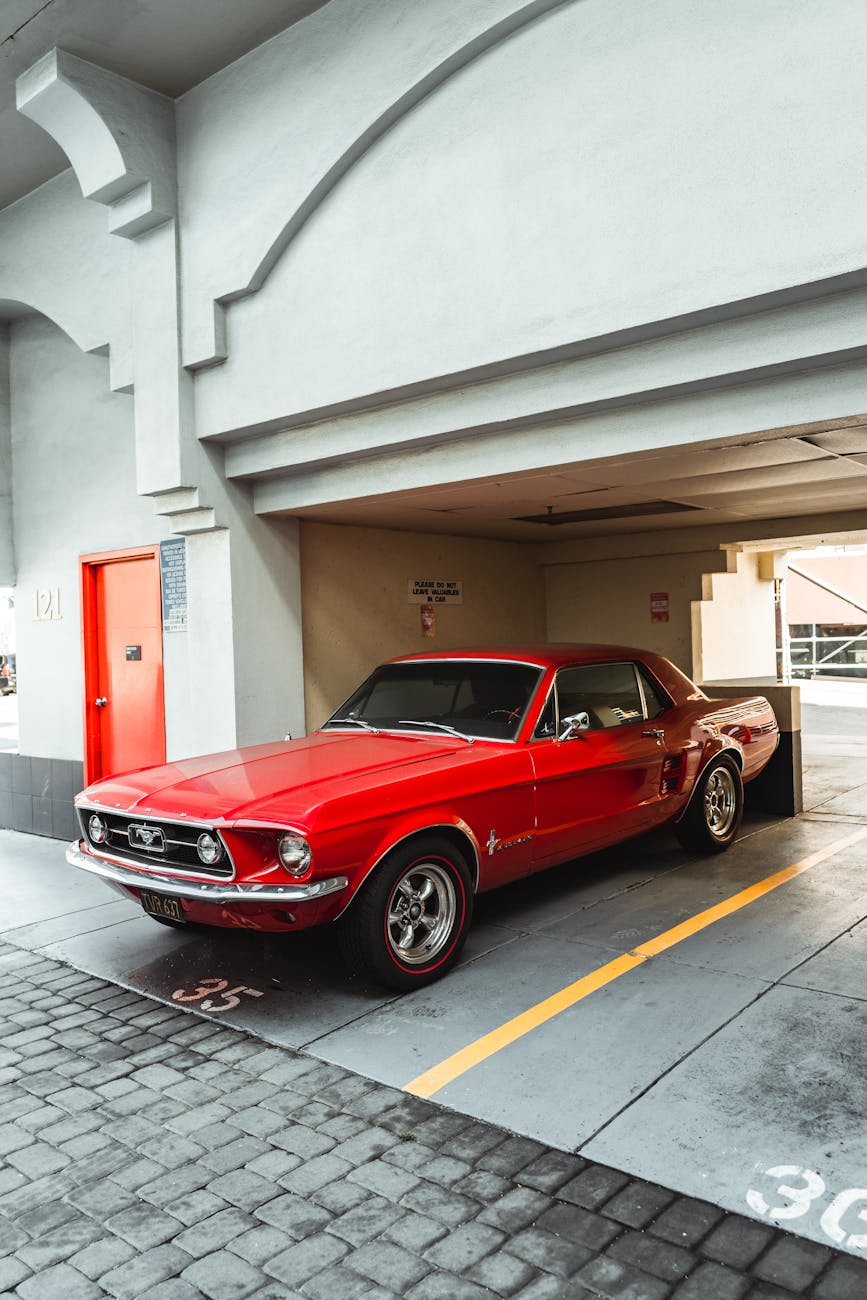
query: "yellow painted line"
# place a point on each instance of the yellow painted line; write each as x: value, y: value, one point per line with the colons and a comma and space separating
x: 431, y: 1081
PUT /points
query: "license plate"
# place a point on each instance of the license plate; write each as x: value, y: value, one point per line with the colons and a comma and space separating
x: 160, y: 905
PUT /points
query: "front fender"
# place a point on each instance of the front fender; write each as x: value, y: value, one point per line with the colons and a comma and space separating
x: 430, y: 821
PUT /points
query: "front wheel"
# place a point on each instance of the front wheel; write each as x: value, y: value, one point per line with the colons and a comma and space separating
x: 711, y: 821
x: 408, y: 924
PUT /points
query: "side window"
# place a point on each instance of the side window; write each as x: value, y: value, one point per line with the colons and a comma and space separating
x: 655, y: 699
x: 546, y: 727
x: 607, y: 693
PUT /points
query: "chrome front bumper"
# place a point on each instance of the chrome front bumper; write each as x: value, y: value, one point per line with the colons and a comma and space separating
x: 204, y: 891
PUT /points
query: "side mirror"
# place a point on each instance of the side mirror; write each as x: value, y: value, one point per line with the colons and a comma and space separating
x: 574, y: 725
x: 288, y: 735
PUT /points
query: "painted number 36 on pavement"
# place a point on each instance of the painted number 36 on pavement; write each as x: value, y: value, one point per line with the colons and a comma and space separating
x: 791, y: 1193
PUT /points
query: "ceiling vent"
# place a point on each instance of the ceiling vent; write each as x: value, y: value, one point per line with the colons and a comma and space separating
x: 637, y: 511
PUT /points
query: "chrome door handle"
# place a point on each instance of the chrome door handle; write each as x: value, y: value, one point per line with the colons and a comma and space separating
x: 101, y: 702
x: 654, y: 731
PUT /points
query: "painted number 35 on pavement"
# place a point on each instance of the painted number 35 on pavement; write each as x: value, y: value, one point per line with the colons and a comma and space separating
x: 791, y: 1192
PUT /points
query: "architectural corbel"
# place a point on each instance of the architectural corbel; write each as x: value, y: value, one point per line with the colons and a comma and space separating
x: 118, y: 136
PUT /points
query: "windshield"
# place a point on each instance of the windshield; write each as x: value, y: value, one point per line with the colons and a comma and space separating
x: 474, y: 698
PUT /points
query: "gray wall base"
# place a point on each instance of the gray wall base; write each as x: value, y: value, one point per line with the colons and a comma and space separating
x: 36, y: 794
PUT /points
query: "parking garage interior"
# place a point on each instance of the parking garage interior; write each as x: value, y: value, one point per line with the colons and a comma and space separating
x: 348, y: 300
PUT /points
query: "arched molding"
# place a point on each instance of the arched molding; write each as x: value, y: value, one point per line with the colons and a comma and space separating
x: 12, y: 309
x: 118, y: 136
x: 435, y: 77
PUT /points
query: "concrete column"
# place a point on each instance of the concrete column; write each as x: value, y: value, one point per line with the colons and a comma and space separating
x: 733, y: 629
x: 7, y: 548
x: 779, y: 789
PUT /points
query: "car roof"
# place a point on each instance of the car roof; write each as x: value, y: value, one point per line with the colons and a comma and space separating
x: 545, y: 656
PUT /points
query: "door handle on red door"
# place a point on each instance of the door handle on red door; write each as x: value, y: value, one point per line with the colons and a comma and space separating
x: 654, y: 731
x: 101, y: 702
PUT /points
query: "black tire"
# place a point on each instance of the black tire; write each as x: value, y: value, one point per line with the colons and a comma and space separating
x: 408, y: 923
x: 714, y: 813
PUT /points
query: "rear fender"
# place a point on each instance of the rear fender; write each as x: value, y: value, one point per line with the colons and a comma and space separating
x: 721, y: 746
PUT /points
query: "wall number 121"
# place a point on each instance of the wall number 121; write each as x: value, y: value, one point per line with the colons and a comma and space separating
x: 46, y: 604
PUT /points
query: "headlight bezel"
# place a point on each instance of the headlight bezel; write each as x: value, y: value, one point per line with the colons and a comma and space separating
x: 91, y: 833
x: 294, y: 854
x: 219, y: 850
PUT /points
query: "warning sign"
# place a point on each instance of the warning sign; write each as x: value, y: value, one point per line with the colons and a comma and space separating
x: 435, y: 591
x: 659, y: 607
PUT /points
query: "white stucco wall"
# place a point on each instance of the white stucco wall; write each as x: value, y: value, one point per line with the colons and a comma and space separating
x: 56, y: 258
x: 610, y: 164
x: 734, y: 634
x: 73, y: 479
x: 290, y: 115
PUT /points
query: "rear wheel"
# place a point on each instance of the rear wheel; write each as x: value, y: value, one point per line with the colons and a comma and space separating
x: 408, y: 924
x: 711, y: 821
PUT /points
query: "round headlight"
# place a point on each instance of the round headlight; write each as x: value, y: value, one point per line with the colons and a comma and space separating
x: 209, y: 849
x: 97, y: 829
x: 294, y: 854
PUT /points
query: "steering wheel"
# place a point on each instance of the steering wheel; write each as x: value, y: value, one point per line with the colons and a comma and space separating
x: 509, y: 714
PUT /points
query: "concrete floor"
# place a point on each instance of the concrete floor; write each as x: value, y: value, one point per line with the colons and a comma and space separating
x: 732, y: 1066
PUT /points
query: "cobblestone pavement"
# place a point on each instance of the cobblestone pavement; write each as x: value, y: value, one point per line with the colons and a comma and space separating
x: 149, y: 1154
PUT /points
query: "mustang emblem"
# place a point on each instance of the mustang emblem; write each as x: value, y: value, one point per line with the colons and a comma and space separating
x: 146, y: 837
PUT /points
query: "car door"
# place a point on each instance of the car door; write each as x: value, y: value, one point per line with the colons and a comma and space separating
x: 602, y: 783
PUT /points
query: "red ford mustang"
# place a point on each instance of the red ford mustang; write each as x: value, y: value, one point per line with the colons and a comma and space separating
x: 443, y: 775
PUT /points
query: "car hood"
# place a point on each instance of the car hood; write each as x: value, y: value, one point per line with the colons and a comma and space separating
x: 281, y: 782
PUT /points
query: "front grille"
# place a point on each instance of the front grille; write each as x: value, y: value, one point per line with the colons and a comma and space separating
x: 179, y: 839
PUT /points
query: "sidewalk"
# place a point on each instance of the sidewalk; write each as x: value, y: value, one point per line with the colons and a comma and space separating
x: 149, y: 1154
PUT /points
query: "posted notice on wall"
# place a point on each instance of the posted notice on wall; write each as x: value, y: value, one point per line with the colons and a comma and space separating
x: 659, y: 607
x: 173, y: 581
x: 435, y: 591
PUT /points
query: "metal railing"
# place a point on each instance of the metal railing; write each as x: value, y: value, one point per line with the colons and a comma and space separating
x: 820, y: 655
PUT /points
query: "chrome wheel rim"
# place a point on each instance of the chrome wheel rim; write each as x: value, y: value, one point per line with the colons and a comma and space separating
x: 720, y: 802
x: 421, y: 913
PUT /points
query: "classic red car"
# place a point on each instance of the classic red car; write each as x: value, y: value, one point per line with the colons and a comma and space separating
x: 442, y: 776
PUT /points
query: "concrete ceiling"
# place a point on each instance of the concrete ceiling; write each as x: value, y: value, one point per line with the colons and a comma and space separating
x: 783, y: 474
x: 168, y: 45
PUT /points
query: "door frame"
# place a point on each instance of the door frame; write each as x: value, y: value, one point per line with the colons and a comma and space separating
x: 88, y: 565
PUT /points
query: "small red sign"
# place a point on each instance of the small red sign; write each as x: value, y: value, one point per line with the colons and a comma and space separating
x: 659, y: 607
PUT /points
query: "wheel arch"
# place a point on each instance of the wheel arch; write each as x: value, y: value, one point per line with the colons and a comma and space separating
x: 457, y: 832
x: 729, y: 753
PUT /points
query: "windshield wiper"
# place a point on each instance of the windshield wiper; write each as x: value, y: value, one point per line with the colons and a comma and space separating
x: 440, y: 726
x: 354, y: 722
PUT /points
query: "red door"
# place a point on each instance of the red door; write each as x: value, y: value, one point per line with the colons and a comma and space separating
x: 598, y: 788
x: 124, y: 711
x: 602, y: 784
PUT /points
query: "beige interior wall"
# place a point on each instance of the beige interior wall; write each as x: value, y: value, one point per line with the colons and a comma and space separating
x: 356, y: 611
x: 608, y: 600
x: 733, y: 624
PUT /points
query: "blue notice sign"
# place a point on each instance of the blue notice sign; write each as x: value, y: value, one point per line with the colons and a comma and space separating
x: 173, y: 578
